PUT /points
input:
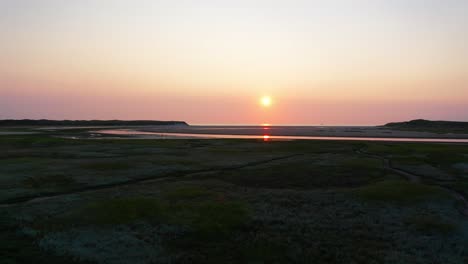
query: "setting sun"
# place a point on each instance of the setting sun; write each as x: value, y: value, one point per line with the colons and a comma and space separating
x: 265, y: 101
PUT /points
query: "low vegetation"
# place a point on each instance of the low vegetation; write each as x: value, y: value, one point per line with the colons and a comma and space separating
x: 400, y: 191
x: 45, y: 122
x: 431, y: 224
x: 228, y: 201
x: 431, y: 126
x: 48, y: 181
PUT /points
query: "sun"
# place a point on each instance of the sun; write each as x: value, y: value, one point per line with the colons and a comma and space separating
x: 265, y: 101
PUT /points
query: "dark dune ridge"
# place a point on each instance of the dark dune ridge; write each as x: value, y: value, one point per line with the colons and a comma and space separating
x: 427, y: 125
x: 46, y: 122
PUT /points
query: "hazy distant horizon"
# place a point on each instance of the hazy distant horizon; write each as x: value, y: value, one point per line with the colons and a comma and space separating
x: 241, y: 124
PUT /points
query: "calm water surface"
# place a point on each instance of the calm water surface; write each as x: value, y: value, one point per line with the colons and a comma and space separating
x: 266, y: 137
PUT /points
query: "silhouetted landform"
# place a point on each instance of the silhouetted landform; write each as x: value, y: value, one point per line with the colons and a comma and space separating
x: 46, y: 122
x: 427, y: 125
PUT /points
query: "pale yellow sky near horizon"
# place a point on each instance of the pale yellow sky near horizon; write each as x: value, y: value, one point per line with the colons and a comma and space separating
x: 334, y: 62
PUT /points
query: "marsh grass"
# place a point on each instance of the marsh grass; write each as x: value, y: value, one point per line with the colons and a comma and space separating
x: 361, y: 163
x: 399, y: 191
x: 337, y: 172
x: 121, y: 211
x: 209, y: 219
x: 431, y: 224
x: 203, y: 224
x: 408, y: 160
x: 188, y: 192
x: 440, y: 157
x: 25, y: 160
x: 106, y: 165
x: 49, y: 181
x: 461, y: 186
x: 328, y: 205
x: 176, y: 161
x: 197, y: 209
x: 16, y: 248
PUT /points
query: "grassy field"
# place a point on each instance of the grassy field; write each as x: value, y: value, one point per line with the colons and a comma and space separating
x: 229, y: 201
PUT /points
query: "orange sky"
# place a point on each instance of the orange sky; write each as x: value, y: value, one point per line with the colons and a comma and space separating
x: 209, y: 62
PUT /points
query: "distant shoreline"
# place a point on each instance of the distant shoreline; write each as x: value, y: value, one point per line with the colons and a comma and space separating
x: 46, y: 122
x: 308, y: 131
x: 168, y: 134
x: 411, y: 129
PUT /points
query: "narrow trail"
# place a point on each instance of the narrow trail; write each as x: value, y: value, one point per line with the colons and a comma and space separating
x: 388, y: 166
x: 387, y: 163
x: 174, y: 176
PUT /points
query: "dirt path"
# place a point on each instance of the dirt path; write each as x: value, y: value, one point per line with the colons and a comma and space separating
x: 175, y: 175
x: 387, y: 163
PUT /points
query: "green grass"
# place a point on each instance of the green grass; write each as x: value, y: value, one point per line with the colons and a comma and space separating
x: 315, y: 172
x: 23, y: 160
x: 209, y: 215
x: 209, y: 218
x: 121, y: 211
x: 49, y: 181
x: 17, y: 248
x: 329, y: 205
x: 188, y: 192
x: 431, y: 224
x: 441, y: 158
x: 361, y: 163
x: 436, y: 152
x: 106, y: 165
x: 399, y: 191
x: 390, y: 148
x: 460, y: 186
x: 176, y: 161
x: 409, y: 160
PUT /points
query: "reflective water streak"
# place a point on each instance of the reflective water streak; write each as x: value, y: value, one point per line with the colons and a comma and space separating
x: 129, y: 132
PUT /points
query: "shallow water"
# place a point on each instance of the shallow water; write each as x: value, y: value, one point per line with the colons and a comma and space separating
x: 266, y: 137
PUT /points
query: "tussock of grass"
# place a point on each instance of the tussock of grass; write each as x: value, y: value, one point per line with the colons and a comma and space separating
x: 461, y: 185
x: 398, y: 191
x: 187, y: 192
x: 48, y: 181
x: 304, y: 174
x: 430, y: 224
x: 122, y: 210
x: 443, y: 158
x: 209, y: 218
x: 206, y: 217
x: 390, y: 149
x: 409, y: 160
x: 18, y: 248
x: 362, y: 163
x: 181, y: 161
x: 106, y: 165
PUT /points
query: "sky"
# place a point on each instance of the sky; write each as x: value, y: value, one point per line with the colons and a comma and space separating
x: 348, y: 62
